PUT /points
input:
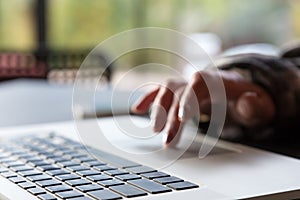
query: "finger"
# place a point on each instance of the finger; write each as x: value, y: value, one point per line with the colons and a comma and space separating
x: 192, y: 97
x: 162, y: 104
x: 143, y: 105
x: 174, y: 125
x: 254, y: 108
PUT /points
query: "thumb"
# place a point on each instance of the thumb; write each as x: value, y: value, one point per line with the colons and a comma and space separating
x: 254, y: 108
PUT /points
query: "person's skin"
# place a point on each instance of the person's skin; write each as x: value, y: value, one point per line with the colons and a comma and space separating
x: 172, y: 104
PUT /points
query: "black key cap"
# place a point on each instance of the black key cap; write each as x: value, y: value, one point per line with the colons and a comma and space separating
x: 9, y: 174
x: 17, y: 179
x: 68, y: 163
x: 76, y: 155
x: 21, y: 168
x: 88, y: 188
x: 116, y: 172
x: 26, y: 185
x: 84, y: 198
x: 36, y: 191
x: 77, y: 168
x: 30, y: 173
x: 39, y: 163
x: 167, y: 180
x: 47, y: 183
x: 58, y: 188
x: 48, y: 167
x: 88, y: 173
x: 65, y: 177
x: 127, y: 177
x: 99, y: 177
x: 104, y: 167
x: 47, y: 196
x: 104, y: 195
x: 141, y: 169
x: 128, y: 191
x: 77, y: 182
x: 41, y: 177
x: 58, y: 172
x: 94, y: 163
x: 149, y: 186
x: 109, y: 183
x: 3, y: 169
x: 58, y: 159
x: 153, y: 175
x: 69, y: 194
x: 182, y: 185
x: 85, y: 159
x: 33, y: 159
x: 14, y: 164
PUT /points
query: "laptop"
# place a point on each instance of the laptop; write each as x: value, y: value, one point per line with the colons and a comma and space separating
x: 121, y: 158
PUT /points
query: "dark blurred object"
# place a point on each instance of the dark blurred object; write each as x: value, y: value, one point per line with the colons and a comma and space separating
x: 56, y: 66
x: 21, y: 65
x: 292, y: 52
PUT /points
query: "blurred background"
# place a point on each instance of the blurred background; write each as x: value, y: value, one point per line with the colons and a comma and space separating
x: 62, y: 27
x: 47, y: 40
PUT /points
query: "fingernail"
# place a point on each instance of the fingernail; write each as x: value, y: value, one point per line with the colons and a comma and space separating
x: 181, y: 113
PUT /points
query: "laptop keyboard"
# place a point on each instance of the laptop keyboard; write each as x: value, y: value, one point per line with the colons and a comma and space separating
x: 54, y: 167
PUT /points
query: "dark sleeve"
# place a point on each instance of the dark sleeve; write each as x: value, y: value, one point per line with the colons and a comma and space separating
x: 279, y: 76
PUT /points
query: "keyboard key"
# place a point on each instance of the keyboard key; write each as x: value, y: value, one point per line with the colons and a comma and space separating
x: 99, y: 177
x: 17, y: 179
x: 9, y: 174
x: 46, y: 196
x: 77, y: 182
x: 84, y: 198
x: 58, y: 159
x: 128, y: 191
x: 36, y: 191
x: 41, y: 177
x: 94, y: 163
x: 153, y: 175
x: 141, y: 169
x: 85, y: 159
x: 14, y: 164
x: 66, y: 177
x: 48, y: 167
x: 39, y: 163
x: 33, y: 159
x: 109, y: 183
x: 115, y: 172
x: 88, y: 173
x: 78, y: 168
x: 26, y: 185
x: 127, y: 177
x: 58, y: 188
x: 21, y: 168
x: 58, y: 172
x: 68, y: 163
x: 32, y: 172
x: 3, y: 169
x: 104, y: 168
x: 167, y: 180
x: 104, y: 195
x: 88, y: 188
x: 47, y: 183
x: 182, y: 185
x: 69, y: 194
x: 149, y: 186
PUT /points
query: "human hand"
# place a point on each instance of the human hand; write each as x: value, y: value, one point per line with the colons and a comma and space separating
x: 174, y: 103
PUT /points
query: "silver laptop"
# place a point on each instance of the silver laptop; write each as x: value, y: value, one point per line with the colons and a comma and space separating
x: 108, y: 159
